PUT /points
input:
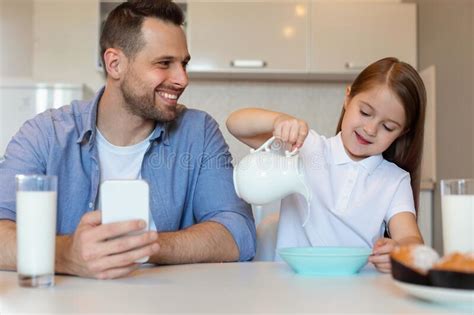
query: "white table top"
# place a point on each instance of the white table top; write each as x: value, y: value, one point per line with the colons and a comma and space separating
x: 257, y: 287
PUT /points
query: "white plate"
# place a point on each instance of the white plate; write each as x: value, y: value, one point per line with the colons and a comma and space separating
x: 437, y: 294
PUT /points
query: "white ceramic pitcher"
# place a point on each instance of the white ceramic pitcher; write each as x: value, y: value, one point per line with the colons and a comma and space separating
x: 266, y: 175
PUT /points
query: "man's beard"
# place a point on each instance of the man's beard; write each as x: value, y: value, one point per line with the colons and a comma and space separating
x: 144, y: 105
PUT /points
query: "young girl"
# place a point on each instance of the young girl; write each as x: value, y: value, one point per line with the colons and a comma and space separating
x: 365, y: 180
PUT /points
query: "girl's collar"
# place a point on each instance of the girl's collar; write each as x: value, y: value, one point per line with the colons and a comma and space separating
x: 340, y: 156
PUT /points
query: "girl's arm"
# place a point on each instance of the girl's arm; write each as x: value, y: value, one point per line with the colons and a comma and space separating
x: 253, y: 126
x: 403, y: 230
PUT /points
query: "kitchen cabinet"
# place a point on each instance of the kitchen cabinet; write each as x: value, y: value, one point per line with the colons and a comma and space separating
x: 248, y: 36
x: 346, y: 37
x: 297, y: 39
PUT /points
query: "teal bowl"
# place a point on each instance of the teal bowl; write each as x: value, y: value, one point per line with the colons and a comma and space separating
x: 325, y: 261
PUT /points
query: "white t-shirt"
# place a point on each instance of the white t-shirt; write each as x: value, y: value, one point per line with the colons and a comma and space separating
x: 351, y: 201
x: 118, y: 162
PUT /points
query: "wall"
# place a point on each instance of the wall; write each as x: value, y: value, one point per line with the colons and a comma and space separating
x: 69, y: 28
x: 446, y: 40
x: 446, y: 37
x: 16, y: 38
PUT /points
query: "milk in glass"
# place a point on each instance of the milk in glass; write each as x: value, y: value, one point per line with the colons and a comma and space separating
x: 36, y: 232
x: 458, y: 223
x: 36, y: 197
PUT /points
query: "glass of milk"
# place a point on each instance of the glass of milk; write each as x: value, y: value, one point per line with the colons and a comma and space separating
x: 457, y: 212
x: 36, y: 198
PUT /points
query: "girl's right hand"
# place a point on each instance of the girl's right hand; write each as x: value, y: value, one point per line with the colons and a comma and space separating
x: 290, y: 130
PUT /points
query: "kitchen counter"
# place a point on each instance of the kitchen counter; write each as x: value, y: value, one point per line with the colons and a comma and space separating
x: 257, y: 287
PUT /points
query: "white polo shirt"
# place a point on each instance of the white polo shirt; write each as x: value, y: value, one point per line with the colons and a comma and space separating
x: 352, y: 201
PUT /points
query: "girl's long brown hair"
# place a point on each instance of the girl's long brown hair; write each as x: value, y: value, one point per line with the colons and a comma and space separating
x: 405, y: 82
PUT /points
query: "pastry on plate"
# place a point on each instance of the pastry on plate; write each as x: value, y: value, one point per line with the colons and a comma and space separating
x: 455, y: 271
x: 411, y: 263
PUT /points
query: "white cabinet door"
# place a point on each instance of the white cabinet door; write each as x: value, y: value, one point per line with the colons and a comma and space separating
x: 346, y: 37
x: 240, y: 36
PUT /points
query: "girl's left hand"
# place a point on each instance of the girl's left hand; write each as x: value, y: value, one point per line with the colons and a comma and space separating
x: 381, y: 254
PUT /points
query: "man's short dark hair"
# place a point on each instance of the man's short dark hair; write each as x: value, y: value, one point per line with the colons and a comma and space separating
x: 122, y: 29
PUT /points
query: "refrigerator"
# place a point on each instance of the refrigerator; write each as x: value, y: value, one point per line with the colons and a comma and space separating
x: 20, y: 101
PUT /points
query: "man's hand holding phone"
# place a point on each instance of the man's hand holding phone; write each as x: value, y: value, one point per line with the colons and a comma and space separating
x: 109, y: 250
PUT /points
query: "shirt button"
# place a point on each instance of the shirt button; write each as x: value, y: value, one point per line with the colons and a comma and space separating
x: 91, y: 205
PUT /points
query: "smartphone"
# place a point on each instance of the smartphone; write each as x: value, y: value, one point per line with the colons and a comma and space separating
x: 124, y: 200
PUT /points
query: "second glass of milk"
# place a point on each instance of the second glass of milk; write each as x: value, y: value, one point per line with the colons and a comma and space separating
x: 457, y: 211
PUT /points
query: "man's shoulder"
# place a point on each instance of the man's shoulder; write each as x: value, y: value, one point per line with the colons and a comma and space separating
x: 65, y: 114
x: 194, y: 119
x: 193, y: 115
x: 59, y: 122
x: 194, y: 126
x: 77, y: 108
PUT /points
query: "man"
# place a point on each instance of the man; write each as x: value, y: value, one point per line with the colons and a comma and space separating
x: 133, y: 128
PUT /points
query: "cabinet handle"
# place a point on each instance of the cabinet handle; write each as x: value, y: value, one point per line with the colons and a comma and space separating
x: 241, y: 63
x: 353, y: 66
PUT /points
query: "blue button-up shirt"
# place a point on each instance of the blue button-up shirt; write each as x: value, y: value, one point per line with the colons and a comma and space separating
x: 187, y: 165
